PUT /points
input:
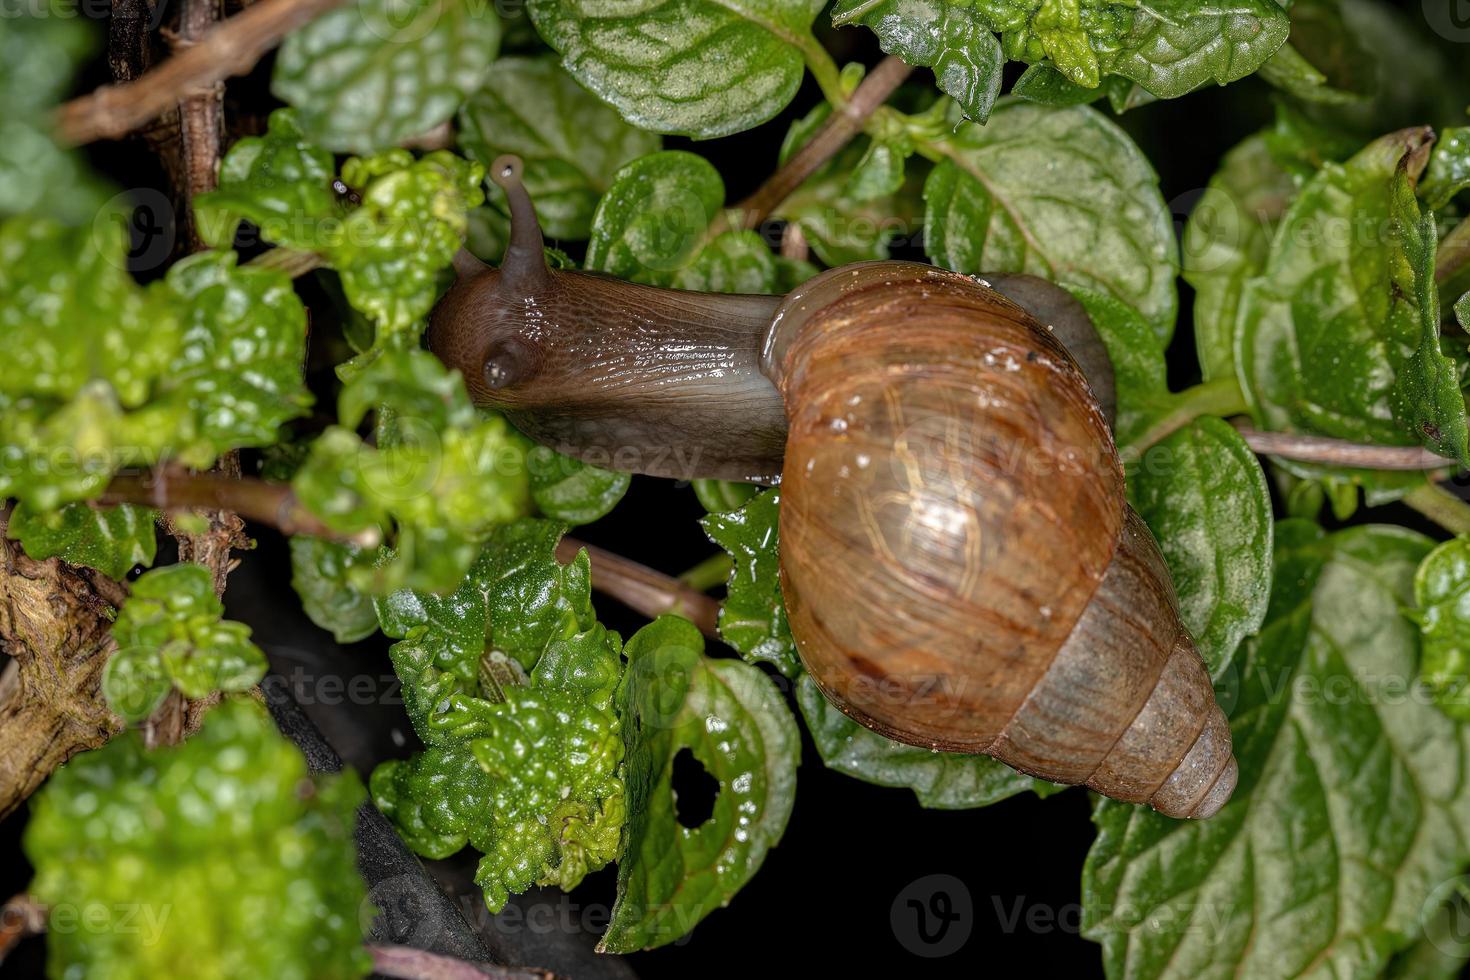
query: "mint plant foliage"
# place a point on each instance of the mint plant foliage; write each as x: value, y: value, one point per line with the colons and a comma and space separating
x: 231, y: 814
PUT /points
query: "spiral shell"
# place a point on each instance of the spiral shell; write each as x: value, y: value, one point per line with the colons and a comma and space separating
x: 959, y: 564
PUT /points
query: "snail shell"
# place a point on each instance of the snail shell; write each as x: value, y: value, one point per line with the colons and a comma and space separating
x: 960, y: 566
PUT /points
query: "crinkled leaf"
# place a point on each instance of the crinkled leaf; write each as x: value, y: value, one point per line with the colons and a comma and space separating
x: 698, y: 68
x: 1323, y: 330
x: 953, y: 39
x: 732, y: 262
x: 1203, y: 494
x: 1449, y: 168
x: 280, y: 182
x: 239, y: 363
x: 532, y: 779
x: 109, y: 539
x: 516, y: 598
x: 232, y: 812
x: 1059, y: 193
x: 1442, y: 595
x: 571, y: 142
x: 1352, y: 803
x: 753, y: 615
x: 441, y: 475
x: 1426, y: 396
x: 567, y: 489
x: 376, y: 72
x: 319, y: 574
x: 1175, y: 46
x: 1226, y: 241
x: 734, y: 721
x: 171, y: 633
x: 941, y: 780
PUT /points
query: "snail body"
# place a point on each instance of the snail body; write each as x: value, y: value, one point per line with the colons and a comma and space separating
x: 960, y: 567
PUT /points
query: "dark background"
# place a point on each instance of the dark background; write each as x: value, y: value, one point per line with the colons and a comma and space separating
x: 852, y: 851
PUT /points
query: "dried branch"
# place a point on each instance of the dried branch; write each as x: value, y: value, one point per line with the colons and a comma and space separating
x: 55, y: 625
x: 644, y: 589
x: 232, y: 48
x: 844, y: 123
x: 1340, y: 452
x: 407, y: 963
x: 201, y: 117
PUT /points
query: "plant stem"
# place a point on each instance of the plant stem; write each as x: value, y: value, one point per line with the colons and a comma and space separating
x: 1441, y: 507
x: 644, y: 589
x: 709, y: 573
x: 22, y: 917
x: 231, y: 48
x: 845, y: 122
x: 268, y: 503
x: 201, y: 117
x: 824, y: 70
x: 1340, y: 452
x: 1219, y: 397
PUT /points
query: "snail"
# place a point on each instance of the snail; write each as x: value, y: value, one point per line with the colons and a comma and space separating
x: 959, y: 565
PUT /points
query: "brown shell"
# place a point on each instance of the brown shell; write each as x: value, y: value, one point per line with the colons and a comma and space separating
x: 959, y: 564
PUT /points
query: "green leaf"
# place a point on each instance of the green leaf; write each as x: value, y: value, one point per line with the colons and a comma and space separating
x: 1351, y: 807
x: 651, y: 223
x: 171, y: 633
x: 753, y: 615
x: 1442, y: 595
x: 723, y: 495
x: 1426, y: 396
x: 1204, y: 496
x: 280, y: 182
x: 572, y: 143
x: 1059, y: 193
x: 239, y: 364
x: 737, y: 726
x: 109, y: 539
x: 941, y: 780
x: 441, y: 475
x: 1462, y: 311
x: 319, y: 574
x: 516, y: 598
x: 1227, y: 241
x: 40, y: 47
x: 1449, y: 168
x: 1175, y: 46
x: 1140, y: 375
x: 953, y: 39
x: 1323, y: 330
x: 531, y: 779
x: 1043, y: 84
x: 698, y: 68
x: 138, y: 835
x: 1325, y: 61
x: 567, y: 489
x: 732, y: 262
x: 376, y: 72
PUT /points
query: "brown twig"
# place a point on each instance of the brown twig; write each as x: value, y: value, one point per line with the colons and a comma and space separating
x: 258, y: 500
x: 793, y: 243
x: 1340, y: 452
x: 839, y: 129
x: 201, y: 117
x: 231, y: 48
x: 22, y: 916
x: 643, y: 589
x: 407, y: 963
